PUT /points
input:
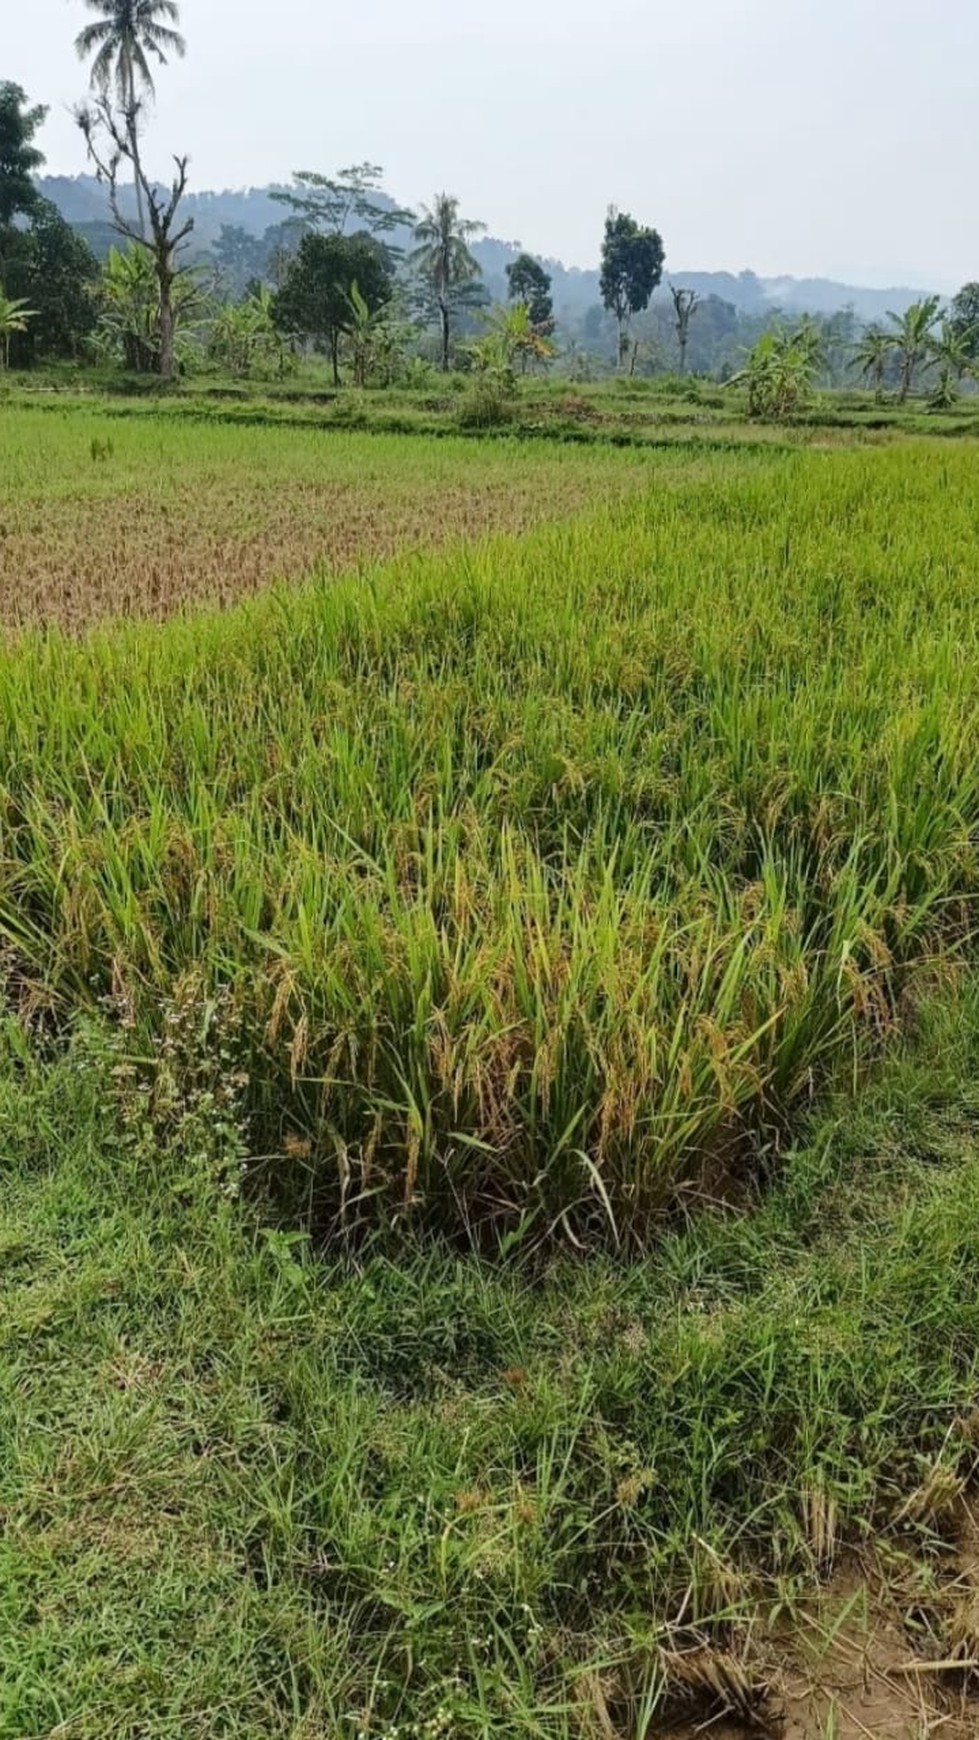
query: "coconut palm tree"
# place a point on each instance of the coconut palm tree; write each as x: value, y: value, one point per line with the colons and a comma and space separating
x: 872, y: 353
x: 442, y: 258
x: 126, y: 34
x: 14, y: 315
x: 912, y: 338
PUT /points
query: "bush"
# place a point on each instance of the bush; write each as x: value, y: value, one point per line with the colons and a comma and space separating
x: 488, y: 403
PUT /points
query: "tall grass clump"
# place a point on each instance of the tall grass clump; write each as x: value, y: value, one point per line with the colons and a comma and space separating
x: 545, y: 878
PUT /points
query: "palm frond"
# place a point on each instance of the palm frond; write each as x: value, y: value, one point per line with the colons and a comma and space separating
x: 158, y: 38
x: 92, y: 37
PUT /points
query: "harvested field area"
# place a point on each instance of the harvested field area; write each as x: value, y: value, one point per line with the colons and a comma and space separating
x: 104, y: 517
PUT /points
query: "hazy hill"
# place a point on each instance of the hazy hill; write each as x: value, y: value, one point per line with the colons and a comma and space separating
x: 82, y: 200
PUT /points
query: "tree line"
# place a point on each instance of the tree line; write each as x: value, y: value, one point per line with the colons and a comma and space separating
x: 336, y: 275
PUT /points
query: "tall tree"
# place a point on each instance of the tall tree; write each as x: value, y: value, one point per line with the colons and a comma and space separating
x: 528, y: 282
x: 684, y: 303
x: 112, y: 137
x: 19, y: 157
x: 964, y: 316
x: 443, y: 262
x: 353, y: 197
x: 912, y: 333
x: 55, y: 272
x: 632, y: 267
x: 316, y: 300
x: 124, y: 37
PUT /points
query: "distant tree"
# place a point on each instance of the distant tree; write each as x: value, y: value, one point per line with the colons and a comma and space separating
x: 353, y: 197
x: 528, y: 282
x: 684, y: 304
x: 952, y: 354
x: 14, y: 318
x: 632, y: 267
x: 443, y: 262
x: 19, y: 157
x: 56, y: 273
x: 871, y: 354
x: 839, y: 334
x: 963, y: 313
x: 122, y: 39
x: 45, y: 266
x: 112, y: 137
x: 238, y: 256
x: 912, y: 333
x: 280, y: 243
x: 315, y: 301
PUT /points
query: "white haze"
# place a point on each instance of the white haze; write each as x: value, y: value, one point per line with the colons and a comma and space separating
x: 837, y: 139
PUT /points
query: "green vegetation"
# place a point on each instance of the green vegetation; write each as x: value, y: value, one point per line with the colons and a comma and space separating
x: 545, y: 877
x: 251, y: 1493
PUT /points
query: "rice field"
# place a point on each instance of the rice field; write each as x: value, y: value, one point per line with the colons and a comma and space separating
x: 534, y: 886
x: 107, y: 516
x: 494, y: 853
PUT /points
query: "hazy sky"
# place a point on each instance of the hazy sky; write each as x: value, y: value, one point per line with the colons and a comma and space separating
x: 838, y: 138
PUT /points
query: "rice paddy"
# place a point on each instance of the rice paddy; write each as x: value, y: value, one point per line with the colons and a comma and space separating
x: 544, y: 879
x: 147, y: 516
x: 487, y: 1086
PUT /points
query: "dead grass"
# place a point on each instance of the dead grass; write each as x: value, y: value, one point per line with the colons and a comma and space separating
x: 148, y: 517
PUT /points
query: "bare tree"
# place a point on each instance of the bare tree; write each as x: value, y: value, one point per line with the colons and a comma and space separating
x: 112, y: 138
x: 684, y: 303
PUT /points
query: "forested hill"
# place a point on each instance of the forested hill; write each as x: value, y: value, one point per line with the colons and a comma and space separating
x: 82, y: 200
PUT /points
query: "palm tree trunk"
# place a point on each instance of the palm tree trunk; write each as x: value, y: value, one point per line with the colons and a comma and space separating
x: 907, y: 370
x: 444, y: 319
x: 168, y: 365
x: 129, y: 98
x: 140, y: 208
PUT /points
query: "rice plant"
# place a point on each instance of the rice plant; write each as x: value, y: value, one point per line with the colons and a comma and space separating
x: 546, y: 878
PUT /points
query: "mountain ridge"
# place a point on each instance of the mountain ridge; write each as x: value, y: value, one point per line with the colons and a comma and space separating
x: 83, y: 201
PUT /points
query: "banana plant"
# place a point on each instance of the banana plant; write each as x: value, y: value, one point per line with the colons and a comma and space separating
x: 912, y: 336
x: 14, y: 318
x: 872, y: 353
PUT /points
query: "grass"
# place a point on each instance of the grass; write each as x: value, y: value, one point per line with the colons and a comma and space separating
x: 153, y: 514
x: 249, y: 1493
x: 545, y: 880
x: 616, y: 410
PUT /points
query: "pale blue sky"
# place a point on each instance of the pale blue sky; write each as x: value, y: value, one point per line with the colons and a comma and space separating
x: 838, y: 138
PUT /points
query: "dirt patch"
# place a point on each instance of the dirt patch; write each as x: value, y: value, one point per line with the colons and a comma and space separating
x: 888, y: 1651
